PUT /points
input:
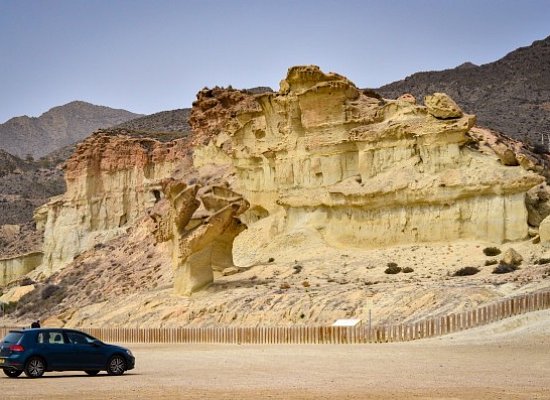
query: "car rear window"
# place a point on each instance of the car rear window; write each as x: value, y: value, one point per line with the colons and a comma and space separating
x: 12, y: 337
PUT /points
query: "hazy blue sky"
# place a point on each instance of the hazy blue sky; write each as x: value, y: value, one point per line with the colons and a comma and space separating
x: 148, y: 56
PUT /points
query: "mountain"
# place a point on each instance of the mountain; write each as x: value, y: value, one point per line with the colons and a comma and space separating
x: 511, y: 95
x: 58, y: 127
x: 164, y: 121
x: 9, y: 163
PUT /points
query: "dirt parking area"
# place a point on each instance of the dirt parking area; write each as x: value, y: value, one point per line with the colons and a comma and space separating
x: 437, y: 369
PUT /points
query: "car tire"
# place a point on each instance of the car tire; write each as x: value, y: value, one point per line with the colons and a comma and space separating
x: 35, y: 367
x: 12, y: 373
x: 92, y: 372
x: 116, y: 365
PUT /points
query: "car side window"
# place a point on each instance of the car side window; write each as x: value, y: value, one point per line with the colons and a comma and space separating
x: 78, y: 338
x: 55, y: 338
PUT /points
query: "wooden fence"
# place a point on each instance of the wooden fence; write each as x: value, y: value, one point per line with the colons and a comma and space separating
x: 426, y: 328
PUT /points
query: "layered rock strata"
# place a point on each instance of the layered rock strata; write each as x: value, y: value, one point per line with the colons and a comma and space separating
x: 12, y: 268
x: 111, y: 181
x: 322, y: 155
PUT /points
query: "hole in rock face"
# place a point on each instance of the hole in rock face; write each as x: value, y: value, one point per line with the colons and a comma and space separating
x: 254, y: 214
x: 156, y: 193
x: 122, y: 220
x: 259, y: 134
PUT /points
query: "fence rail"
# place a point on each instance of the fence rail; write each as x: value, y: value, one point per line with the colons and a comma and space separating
x: 430, y: 327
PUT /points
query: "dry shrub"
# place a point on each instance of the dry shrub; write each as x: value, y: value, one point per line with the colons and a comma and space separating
x: 491, y: 251
x: 466, y: 271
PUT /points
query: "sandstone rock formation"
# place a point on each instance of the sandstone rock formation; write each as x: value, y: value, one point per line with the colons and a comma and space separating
x: 321, y: 155
x: 320, y: 158
x: 111, y: 181
x: 202, y: 224
x: 12, y: 268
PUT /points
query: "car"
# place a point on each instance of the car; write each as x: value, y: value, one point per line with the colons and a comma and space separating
x: 35, y: 351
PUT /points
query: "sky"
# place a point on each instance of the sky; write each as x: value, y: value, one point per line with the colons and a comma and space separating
x: 150, y: 56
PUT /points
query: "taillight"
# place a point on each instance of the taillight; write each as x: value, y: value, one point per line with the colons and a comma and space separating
x: 16, y: 348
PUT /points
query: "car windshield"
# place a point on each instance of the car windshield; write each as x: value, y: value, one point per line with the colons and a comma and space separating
x: 12, y: 337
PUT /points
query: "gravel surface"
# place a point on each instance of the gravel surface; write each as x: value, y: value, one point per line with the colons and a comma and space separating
x: 516, y: 367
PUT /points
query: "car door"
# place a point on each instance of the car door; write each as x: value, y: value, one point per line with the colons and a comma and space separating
x: 86, y: 353
x: 53, y: 346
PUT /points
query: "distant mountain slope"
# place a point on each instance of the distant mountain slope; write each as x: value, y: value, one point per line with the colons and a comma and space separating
x: 9, y: 163
x: 511, y: 95
x: 164, y: 121
x: 24, y: 185
x: 57, y: 127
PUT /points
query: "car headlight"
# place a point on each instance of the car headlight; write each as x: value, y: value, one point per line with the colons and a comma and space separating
x: 129, y: 352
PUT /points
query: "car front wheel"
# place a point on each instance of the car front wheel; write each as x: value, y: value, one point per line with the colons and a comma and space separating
x: 35, y: 367
x: 12, y: 373
x: 116, y: 365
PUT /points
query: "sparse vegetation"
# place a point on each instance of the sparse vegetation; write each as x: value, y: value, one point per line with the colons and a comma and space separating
x: 466, y: 271
x: 491, y: 251
x: 392, y: 268
x: 297, y: 269
x: 505, y: 268
x: 491, y: 262
x: 542, y: 261
x: 48, y: 291
x: 407, y: 270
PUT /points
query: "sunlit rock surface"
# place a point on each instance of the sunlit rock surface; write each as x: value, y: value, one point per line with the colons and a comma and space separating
x: 321, y: 155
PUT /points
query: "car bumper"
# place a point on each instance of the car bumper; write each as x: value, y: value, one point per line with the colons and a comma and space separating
x: 130, y: 362
x: 11, y: 363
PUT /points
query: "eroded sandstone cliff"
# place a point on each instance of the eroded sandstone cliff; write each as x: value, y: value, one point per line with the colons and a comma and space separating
x: 319, y: 159
x: 333, y: 183
x: 112, y: 178
x: 321, y: 155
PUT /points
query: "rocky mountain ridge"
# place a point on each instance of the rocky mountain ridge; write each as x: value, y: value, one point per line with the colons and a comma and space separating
x: 510, y: 95
x: 57, y: 127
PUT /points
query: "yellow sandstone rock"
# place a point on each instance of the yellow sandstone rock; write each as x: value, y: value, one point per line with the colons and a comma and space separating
x: 319, y: 159
x: 322, y: 155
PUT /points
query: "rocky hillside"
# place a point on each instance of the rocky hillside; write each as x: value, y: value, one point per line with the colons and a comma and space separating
x: 511, y: 95
x: 292, y: 207
x: 10, y: 163
x: 57, y: 127
x: 24, y: 185
x: 165, y: 121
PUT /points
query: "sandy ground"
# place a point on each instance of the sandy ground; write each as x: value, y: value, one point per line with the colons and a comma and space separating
x: 508, y: 360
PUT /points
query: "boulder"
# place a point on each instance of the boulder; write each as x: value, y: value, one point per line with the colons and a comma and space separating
x: 544, y: 230
x: 537, y: 201
x: 442, y: 106
x: 511, y: 257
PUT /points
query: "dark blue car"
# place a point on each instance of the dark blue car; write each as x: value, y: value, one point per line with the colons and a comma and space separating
x: 35, y: 351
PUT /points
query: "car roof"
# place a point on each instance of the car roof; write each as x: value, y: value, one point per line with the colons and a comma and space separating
x: 23, y: 330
